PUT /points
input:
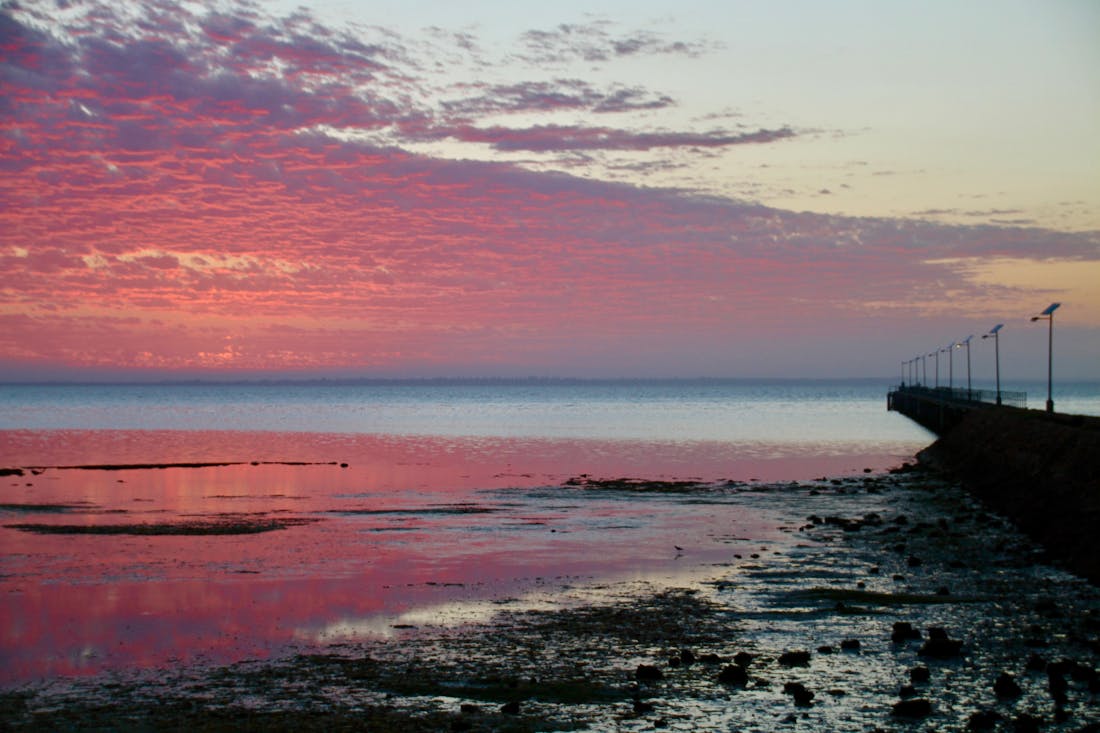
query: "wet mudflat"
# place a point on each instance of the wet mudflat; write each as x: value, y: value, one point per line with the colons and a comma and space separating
x: 889, y: 602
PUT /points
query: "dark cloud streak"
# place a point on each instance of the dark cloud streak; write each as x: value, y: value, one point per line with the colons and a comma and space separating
x: 594, y: 42
x: 553, y: 96
x: 561, y: 138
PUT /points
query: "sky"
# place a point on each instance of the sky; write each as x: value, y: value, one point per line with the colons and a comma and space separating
x: 598, y: 189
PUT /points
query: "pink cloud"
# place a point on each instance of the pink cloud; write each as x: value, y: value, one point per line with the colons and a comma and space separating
x: 161, y: 202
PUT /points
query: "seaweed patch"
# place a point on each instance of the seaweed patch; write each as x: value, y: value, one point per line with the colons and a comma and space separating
x: 219, y: 527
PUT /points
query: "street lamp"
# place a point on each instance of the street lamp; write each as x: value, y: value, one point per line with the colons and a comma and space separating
x: 924, y: 369
x: 951, y: 366
x: 1048, y: 315
x: 996, y: 354
x: 936, y: 354
x: 966, y: 343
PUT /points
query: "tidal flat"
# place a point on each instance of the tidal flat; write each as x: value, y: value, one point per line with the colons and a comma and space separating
x: 874, y: 602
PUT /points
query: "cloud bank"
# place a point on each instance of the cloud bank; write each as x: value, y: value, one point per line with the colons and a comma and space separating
x: 230, y: 190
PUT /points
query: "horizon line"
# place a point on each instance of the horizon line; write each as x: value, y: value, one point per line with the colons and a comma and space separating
x: 459, y: 380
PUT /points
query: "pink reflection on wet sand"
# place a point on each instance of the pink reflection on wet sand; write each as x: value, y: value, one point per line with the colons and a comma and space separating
x: 410, y: 523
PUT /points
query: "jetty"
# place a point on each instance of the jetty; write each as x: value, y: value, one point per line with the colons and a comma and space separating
x: 1039, y: 468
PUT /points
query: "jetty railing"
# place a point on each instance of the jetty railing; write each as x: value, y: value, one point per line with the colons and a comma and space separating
x: 962, y: 396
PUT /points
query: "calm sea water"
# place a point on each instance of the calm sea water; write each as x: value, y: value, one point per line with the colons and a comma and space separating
x: 452, y: 496
x: 732, y: 411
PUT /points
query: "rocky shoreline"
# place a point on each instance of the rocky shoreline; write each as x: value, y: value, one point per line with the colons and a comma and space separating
x: 901, y: 603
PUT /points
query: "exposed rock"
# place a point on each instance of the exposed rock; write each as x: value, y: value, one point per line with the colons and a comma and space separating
x: 1056, y: 685
x: 918, y: 707
x: 1035, y: 663
x: 648, y: 673
x: 903, y: 631
x: 795, y: 659
x: 1006, y: 688
x: 797, y: 690
x: 734, y: 675
x: 984, y: 720
x: 940, y: 648
x: 510, y: 708
x: 920, y: 674
x: 850, y: 645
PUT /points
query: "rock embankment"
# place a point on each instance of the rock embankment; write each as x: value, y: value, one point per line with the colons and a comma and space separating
x: 1041, y: 470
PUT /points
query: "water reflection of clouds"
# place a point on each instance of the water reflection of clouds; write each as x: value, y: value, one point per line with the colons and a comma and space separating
x: 78, y: 604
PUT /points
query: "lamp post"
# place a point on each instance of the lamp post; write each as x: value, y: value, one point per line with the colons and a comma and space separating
x: 1048, y: 315
x: 924, y: 369
x: 996, y: 354
x: 951, y: 366
x: 966, y: 343
x: 936, y: 354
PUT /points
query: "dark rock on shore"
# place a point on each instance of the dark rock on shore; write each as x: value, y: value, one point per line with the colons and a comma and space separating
x: 734, y: 675
x: 984, y: 720
x: 918, y: 707
x: 904, y: 631
x: 1057, y: 686
x: 648, y: 673
x: 795, y: 659
x: 802, y: 696
x: 1006, y: 688
x: 940, y: 645
x: 743, y: 659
